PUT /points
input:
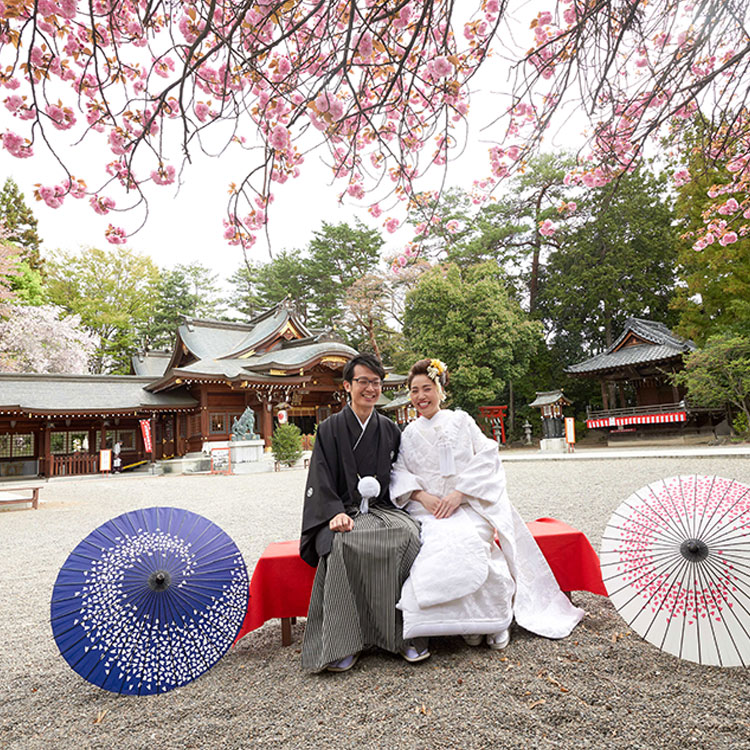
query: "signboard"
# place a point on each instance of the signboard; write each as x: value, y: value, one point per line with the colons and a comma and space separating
x: 282, y: 416
x: 146, y: 432
x: 570, y: 430
x: 105, y: 459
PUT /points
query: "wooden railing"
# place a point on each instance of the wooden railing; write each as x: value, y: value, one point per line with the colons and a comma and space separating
x: 77, y: 463
x: 634, y: 411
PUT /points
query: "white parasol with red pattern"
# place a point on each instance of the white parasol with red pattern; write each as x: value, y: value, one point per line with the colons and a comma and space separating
x: 675, y: 560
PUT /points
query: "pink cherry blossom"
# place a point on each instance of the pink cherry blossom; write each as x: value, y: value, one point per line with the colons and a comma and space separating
x: 356, y: 190
x: 440, y: 67
x: 279, y: 137
x: 116, y: 235
x: 547, y: 228
x: 728, y: 238
x: 16, y: 145
x: 101, y: 204
x: 391, y: 225
x: 52, y: 195
x: 202, y: 111
x: 43, y: 339
x: 163, y: 175
x: 681, y: 176
x: 544, y: 18
x: 730, y: 207
x: 13, y: 103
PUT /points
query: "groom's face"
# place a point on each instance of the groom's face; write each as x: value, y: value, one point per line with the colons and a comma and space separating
x: 362, y: 388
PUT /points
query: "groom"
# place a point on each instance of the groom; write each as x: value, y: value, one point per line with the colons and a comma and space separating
x: 362, y: 558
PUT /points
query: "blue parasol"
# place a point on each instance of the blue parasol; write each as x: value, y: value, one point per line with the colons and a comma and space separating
x: 149, y: 601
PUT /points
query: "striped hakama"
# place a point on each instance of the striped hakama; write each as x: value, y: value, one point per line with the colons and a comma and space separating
x: 357, y: 585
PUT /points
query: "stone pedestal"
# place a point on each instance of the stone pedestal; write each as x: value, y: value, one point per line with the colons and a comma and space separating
x: 553, y: 445
x: 246, y: 455
x: 246, y: 451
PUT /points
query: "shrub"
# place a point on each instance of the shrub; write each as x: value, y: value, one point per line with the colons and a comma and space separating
x: 286, y: 444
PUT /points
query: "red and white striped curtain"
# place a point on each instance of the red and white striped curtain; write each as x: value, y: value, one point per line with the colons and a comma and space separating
x: 677, y: 416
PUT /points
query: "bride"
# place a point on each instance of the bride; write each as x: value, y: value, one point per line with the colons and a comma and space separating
x: 449, y: 477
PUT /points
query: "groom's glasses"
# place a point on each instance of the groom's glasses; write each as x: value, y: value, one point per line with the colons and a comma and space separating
x: 364, y: 382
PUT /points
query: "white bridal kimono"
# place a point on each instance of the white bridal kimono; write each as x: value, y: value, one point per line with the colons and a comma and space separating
x: 462, y: 582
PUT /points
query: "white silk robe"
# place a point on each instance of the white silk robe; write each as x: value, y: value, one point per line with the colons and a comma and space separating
x: 461, y: 581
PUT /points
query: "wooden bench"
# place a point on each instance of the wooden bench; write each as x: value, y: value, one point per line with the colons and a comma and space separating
x: 281, y: 583
x: 33, y: 498
x: 277, y: 464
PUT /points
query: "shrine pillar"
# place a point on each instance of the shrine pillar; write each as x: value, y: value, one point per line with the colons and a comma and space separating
x: 266, y: 422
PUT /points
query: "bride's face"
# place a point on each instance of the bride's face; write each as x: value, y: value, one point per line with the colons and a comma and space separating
x: 424, y: 396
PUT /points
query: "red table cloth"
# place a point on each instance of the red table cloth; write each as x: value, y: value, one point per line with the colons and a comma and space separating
x: 282, y: 581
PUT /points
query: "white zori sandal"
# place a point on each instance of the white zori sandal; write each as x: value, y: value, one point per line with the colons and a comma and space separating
x: 498, y: 641
x: 473, y: 640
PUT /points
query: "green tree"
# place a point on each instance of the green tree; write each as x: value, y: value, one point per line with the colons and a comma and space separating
x: 186, y: 289
x: 339, y: 255
x: 113, y: 291
x: 468, y: 318
x: 20, y: 223
x: 512, y: 231
x: 719, y: 373
x: 28, y: 285
x: 714, y: 290
x: 286, y: 444
x: 9, y: 259
x: 441, y: 223
x: 619, y: 263
x: 257, y: 287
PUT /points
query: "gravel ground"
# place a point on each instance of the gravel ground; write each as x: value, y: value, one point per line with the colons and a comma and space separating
x: 601, y: 687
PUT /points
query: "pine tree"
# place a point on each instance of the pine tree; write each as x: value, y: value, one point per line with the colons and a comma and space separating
x: 20, y: 223
x: 286, y: 444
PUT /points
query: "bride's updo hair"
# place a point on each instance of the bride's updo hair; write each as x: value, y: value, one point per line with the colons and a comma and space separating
x: 433, y: 368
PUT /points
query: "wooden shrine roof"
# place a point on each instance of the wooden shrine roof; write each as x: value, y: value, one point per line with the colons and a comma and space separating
x: 641, y: 342
x: 85, y: 394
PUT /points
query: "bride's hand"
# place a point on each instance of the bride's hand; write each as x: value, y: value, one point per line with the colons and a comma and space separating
x: 428, y: 501
x: 448, y: 504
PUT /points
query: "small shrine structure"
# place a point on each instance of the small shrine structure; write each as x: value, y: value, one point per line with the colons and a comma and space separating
x: 635, y: 378
x: 551, y: 403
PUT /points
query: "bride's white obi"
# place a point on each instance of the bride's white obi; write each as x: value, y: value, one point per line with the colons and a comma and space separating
x: 461, y: 581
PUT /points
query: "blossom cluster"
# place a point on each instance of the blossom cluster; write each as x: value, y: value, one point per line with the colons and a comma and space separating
x: 44, y: 339
x: 377, y: 84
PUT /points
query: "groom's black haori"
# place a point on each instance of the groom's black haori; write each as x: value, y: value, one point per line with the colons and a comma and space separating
x: 360, y: 572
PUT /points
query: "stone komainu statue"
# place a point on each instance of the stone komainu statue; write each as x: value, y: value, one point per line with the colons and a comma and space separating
x: 244, y: 427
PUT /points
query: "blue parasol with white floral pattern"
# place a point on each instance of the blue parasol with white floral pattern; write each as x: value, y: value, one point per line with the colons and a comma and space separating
x: 149, y: 601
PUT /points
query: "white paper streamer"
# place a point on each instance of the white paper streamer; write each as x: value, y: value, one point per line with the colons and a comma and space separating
x: 445, y: 455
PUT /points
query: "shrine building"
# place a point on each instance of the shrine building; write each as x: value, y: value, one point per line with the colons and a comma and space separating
x: 637, y: 393
x: 188, y: 398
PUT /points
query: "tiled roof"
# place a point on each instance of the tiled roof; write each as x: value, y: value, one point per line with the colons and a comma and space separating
x: 544, y: 398
x: 84, y: 393
x: 213, y: 339
x: 650, y: 330
x: 664, y: 345
x: 400, y: 399
x: 206, y: 339
x: 296, y: 356
x: 152, y: 364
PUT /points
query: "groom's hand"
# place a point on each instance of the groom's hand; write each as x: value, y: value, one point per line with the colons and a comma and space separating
x: 341, y: 522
